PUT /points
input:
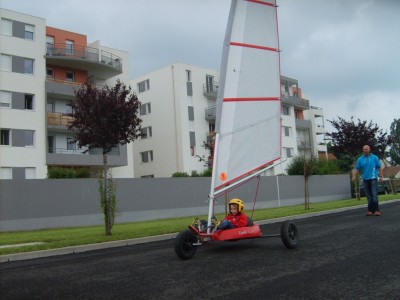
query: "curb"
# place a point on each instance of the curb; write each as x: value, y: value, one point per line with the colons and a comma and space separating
x: 143, y: 240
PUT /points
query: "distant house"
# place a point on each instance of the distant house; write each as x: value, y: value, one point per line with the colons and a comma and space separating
x: 329, y: 156
x: 391, y: 172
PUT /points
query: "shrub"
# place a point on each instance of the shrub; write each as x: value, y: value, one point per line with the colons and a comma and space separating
x: 180, y: 174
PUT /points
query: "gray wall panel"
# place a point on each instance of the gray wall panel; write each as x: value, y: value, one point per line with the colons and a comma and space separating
x: 43, y: 203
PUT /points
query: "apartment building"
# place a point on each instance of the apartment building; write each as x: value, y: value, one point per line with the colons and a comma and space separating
x: 178, y: 112
x: 40, y: 69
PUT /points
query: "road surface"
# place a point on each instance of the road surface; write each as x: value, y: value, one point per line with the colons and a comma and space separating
x: 340, y: 256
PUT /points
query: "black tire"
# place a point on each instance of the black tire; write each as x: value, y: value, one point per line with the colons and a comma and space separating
x: 289, y: 234
x: 184, y: 247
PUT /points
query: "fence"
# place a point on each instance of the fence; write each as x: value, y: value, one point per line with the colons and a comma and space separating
x: 43, y: 203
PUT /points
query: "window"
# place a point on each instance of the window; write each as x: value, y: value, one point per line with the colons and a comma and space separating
x: 288, y: 152
x: 5, y: 99
x: 144, y: 86
x: 50, y: 73
x: 6, y: 62
x: 5, y: 173
x: 191, y: 113
x: 29, y: 30
x: 69, y: 109
x: 29, y: 138
x: 69, y: 76
x: 6, y: 27
x: 145, y: 109
x: 285, y: 110
x: 192, y: 138
x: 286, y: 130
x: 146, y: 132
x: 50, y: 144
x: 28, y: 102
x: 30, y: 173
x: 28, y: 63
x: 69, y: 47
x: 147, y: 156
x: 49, y: 44
x: 71, y: 143
x: 209, y: 82
x: 5, y: 137
x: 50, y: 107
x: 188, y: 75
x: 211, y: 127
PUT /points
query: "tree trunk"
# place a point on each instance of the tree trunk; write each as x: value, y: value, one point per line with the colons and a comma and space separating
x: 107, y: 214
x: 306, y: 194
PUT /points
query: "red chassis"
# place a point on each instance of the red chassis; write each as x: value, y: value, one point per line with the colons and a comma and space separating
x: 230, y: 234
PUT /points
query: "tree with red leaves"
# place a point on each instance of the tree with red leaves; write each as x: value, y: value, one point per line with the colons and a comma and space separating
x: 105, y: 118
x: 350, y: 137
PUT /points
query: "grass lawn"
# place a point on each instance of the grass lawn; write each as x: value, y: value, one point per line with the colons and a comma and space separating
x: 65, y: 237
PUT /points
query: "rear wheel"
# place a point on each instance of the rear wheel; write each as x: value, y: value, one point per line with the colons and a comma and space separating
x: 184, y: 244
x: 289, y: 234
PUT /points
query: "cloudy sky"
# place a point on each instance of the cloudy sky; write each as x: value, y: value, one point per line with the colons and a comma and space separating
x: 344, y: 53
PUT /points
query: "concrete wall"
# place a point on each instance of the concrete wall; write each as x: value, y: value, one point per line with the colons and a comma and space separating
x: 41, y: 203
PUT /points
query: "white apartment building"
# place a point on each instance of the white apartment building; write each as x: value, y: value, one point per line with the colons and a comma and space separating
x: 178, y: 112
x: 40, y: 67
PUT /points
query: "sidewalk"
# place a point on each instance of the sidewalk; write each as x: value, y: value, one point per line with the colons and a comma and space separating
x: 170, y: 236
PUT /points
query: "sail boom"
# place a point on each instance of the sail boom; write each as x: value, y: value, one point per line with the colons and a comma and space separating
x: 219, y: 190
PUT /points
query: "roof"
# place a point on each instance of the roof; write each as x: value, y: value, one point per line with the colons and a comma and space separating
x: 392, y: 171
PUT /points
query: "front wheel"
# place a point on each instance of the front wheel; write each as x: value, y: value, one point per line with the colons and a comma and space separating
x: 184, y: 244
x: 289, y: 234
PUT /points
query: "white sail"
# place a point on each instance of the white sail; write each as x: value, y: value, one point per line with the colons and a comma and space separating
x: 248, y: 123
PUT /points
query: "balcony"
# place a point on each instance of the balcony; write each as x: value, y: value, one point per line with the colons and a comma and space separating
x: 210, y: 113
x: 211, y: 90
x: 55, y: 88
x: 295, y: 101
x: 319, y: 129
x: 303, y: 144
x: 317, y: 111
x: 58, y: 119
x: 76, y: 157
x: 103, y: 63
x: 210, y: 137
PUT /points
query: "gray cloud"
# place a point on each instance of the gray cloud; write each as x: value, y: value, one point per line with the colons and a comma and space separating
x: 343, y: 52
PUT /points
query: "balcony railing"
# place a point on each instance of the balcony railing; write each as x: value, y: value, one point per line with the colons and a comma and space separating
x: 211, y: 90
x: 210, y: 113
x: 73, y: 150
x: 84, y: 52
x: 295, y: 101
x: 303, y: 144
x: 58, y: 119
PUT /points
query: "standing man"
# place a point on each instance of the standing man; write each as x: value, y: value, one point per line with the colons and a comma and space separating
x: 370, y: 166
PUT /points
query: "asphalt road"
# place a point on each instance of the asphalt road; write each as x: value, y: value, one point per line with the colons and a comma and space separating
x: 340, y: 256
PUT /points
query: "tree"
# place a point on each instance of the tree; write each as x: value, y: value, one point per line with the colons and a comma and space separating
x: 105, y: 118
x: 394, y: 152
x: 300, y: 165
x: 350, y: 137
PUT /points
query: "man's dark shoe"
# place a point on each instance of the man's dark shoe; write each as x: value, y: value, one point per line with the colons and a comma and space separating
x: 369, y: 214
x: 377, y: 213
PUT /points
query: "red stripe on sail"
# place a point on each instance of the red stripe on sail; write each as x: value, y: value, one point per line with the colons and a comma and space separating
x: 262, y: 2
x: 253, y: 46
x: 252, y: 99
